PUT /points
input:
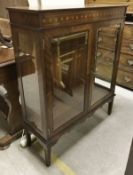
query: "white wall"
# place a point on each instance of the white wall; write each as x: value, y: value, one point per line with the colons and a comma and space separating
x: 55, y: 3
x: 63, y: 2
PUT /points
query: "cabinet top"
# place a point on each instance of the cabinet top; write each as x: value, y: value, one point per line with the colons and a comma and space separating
x: 50, y: 18
x: 42, y: 8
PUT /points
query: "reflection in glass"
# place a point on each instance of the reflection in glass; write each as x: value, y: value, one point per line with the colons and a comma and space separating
x: 104, y: 61
x: 27, y: 61
x: 69, y: 68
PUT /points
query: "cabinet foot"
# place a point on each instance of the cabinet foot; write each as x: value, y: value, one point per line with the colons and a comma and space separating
x: 110, y: 106
x: 47, y: 151
x: 28, y: 138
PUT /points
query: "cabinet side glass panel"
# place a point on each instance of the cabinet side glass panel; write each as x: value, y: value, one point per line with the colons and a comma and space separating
x: 69, y: 69
x: 104, y: 61
x: 27, y: 60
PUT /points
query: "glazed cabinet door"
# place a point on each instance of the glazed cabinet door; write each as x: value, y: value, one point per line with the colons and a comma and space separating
x: 66, y: 54
x: 105, y: 63
x: 28, y: 59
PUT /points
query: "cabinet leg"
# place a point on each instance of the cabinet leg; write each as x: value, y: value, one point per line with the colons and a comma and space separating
x: 28, y: 137
x: 47, y: 150
x: 110, y: 106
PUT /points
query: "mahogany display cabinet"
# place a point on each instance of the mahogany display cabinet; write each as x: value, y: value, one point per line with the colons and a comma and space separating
x: 57, y: 52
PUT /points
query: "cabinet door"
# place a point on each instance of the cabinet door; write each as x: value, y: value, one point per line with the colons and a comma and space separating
x: 105, y: 61
x: 29, y: 69
x: 69, y: 67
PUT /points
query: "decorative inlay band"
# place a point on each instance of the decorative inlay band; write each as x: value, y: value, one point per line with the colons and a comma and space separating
x: 91, y: 15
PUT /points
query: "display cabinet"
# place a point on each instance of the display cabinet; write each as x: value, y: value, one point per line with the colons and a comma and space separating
x: 57, y: 54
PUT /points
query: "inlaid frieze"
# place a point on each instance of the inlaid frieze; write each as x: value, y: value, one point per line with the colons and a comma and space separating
x: 80, y: 17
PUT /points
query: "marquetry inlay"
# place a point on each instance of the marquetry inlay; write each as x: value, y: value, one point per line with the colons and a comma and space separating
x: 49, y: 19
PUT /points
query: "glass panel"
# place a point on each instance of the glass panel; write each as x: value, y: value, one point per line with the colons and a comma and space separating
x: 104, y: 62
x: 69, y: 69
x: 28, y: 66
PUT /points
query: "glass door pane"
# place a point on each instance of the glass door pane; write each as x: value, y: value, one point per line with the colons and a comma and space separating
x: 104, y: 61
x: 27, y: 60
x: 69, y: 70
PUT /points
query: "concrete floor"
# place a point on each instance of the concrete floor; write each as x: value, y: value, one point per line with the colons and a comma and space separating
x: 98, y: 146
